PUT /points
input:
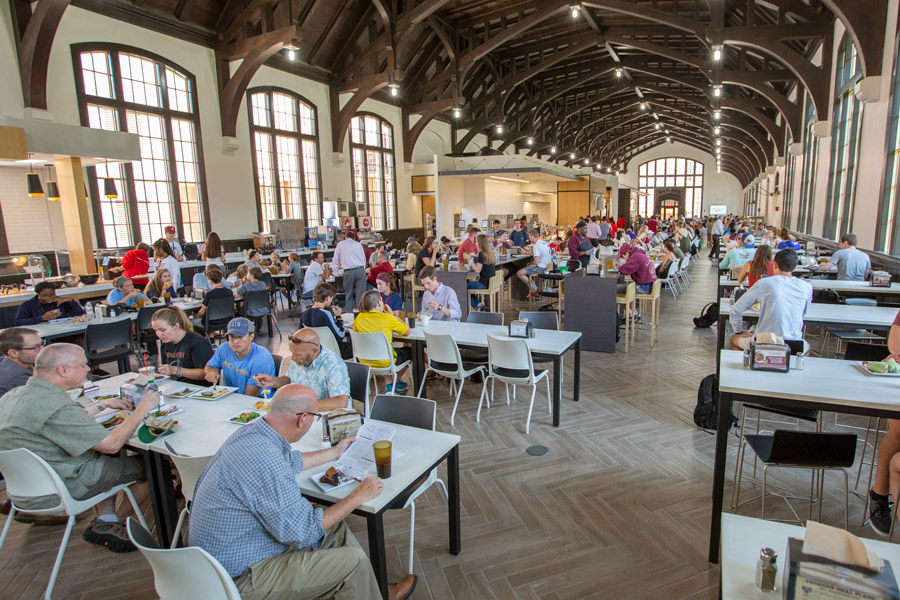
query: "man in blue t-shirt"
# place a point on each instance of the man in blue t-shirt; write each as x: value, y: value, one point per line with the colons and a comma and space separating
x: 240, y: 359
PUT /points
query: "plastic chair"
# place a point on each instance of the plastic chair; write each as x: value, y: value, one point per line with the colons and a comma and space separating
x: 375, y: 347
x: 358, y: 373
x: 444, y: 359
x: 326, y: 338
x: 258, y: 299
x: 412, y: 412
x: 509, y: 362
x: 183, y: 573
x: 683, y: 274
x: 485, y: 318
x: 28, y: 476
x: 109, y: 341
x: 189, y: 469
x: 671, y: 279
x: 218, y: 309
x: 143, y: 329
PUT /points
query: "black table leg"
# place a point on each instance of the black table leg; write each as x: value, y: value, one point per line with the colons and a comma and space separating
x: 162, y: 496
x: 720, y: 338
x: 557, y: 388
x: 418, y: 366
x: 376, y: 551
x: 453, y: 500
x: 576, y: 392
x: 722, y: 427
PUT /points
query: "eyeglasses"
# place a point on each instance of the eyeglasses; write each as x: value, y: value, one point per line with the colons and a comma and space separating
x: 300, y: 341
x: 41, y: 345
x: 316, y: 416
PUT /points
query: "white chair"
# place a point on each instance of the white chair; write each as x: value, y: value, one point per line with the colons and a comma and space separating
x: 683, y: 271
x: 183, y: 573
x: 671, y: 279
x: 28, y: 476
x: 374, y: 347
x: 283, y: 365
x: 326, y: 337
x: 509, y: 362
x: 444, y: 359
x: 189, y: 468
x: 414, y: 412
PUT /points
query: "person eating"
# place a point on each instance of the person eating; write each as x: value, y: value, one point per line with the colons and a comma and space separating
x: 439, y: 300
x: 183, y: 353
x: 159, y: 285
x: 46, y: 306
x: 240, y: 359
x: 384, y: 284
x: 124, y: 293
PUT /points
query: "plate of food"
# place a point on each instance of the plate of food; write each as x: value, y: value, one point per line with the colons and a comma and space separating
x: 330, y: 479
x: 262, y: 405
x: 212, y: 393
x: 157, y: 378
x: 246, y: 416
x: 183, y: 391
x: 104, y: 397
x: 887, y: 368
x: 166, y: 412
x: 113, y: 420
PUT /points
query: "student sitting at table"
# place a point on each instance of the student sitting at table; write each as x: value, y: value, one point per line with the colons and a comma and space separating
x: 385, y: 286
x: 468, y: 246
x: 20, y: 347
x: 428, y: 255
x: 542, y: 257
x: 783, y: 298
x: 161, y: 283
x: 761, y: 266
x: 239, y: 277
x: 439, y: 301
x: 382, y: 265
x: 739, y: 256
x: 124, y: 293
x: 667, y: 259
x: 46, y: 305
x: 240, y: 359
x: 852, y: 264
x: 249, y: 513
x: 183, y: 353
x: 483, y: 263
x: 41, y: 417
x: 325, y: 313
x: 252, y: 259
x: 635, y: 262
x: 319, y: 368
x: 317, y: 272
x: 501, y: 242
x: 255, y: 284
x: 214, y: 276
x: 201, y: 279
x: 375, y: 317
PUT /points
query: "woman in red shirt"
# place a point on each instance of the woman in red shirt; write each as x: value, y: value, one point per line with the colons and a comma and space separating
x: 761, y: 266
x: 136, y: 263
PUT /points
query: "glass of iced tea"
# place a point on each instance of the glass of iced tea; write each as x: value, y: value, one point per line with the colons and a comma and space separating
x: 382, y: 451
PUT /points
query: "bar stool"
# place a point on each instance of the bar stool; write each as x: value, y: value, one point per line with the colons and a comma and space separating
x: 628, y: 301
x: 494, y: 292
x: 653, y: 298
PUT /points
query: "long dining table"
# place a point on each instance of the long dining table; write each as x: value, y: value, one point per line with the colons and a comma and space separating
x: 545, y: 343
x: 204, y: 426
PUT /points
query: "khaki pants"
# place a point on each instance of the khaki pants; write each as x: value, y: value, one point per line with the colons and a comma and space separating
x: 339, y: 569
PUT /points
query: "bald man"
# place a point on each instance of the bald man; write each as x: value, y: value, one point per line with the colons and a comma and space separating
x: 41, y: 417
x: 318, y: 368
x: 249, y: 513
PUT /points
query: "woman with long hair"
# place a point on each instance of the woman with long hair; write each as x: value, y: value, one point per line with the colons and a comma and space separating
x: 213, y: 251
x: 183, y: 353
x: 427, y: 256
x: 761, y: 266
x: 391, y: 299
x: 485, y: 265
x: 163, y: 259
x: 161, y: 282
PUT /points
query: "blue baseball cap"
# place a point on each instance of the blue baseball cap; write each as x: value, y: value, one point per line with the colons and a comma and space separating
x: 749, y: 240
x: 240, y: 326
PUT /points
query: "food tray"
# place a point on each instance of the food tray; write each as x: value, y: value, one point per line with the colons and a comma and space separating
x: 862, y: 366
x: 258, y: 412
x: 219, y: 391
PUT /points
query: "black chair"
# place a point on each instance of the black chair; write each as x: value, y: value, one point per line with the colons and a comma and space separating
x: 218, y: 310
x: 485, y: 318
x: 108, y: 342
x: 258, y: 299
x: 340, y: 294
x: 857, y: 351
x: 278, y: 360
x: 817, y: 451
x: 270, y: 285
x: 144, y: 335
x: 359, y: 382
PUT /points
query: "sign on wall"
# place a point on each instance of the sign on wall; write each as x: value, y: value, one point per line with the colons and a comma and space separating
x: 718, y: 209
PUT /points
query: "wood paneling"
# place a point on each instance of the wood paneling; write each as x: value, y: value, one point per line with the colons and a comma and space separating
x: 12, y: 143
x: 76, y: 213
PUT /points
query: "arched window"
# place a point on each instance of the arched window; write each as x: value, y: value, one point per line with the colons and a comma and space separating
x: 372, y: 148
x: 887, y: 234
x: 285, y: 143
x: 846, y: 124
x: 808, y: 170
x: 126, y: 89
x: 671, y: 172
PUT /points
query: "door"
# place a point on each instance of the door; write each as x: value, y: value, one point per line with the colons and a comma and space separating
x: 427, y: 208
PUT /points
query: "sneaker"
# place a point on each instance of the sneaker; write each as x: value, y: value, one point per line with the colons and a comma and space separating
x: 879, y: 515
x: 400, y: 388
x: 534, y: 293
x: 113, y: 536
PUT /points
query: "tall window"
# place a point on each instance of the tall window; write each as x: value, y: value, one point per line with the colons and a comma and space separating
x: 126, y: 89
x: 372, y: 146
x: 671, y: 172
x: 788, y: 192
x: 887, y: 233
x: 847, y: 120
x: 285, y: 143
x: 808, y: 171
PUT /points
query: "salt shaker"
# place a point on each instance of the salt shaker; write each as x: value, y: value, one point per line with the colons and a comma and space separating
x: 766, y: 570
x: 746, y: 358
x: 798, y: 362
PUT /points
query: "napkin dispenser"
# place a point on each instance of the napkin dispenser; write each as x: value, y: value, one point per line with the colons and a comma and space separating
x: 809, y: 576
x: 521, y: 328
x: 340, y: 424
x: 770, y: 357
x: 881, y: 279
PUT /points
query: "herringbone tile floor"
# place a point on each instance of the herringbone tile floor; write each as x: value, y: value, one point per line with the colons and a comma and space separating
x: 619, y: 508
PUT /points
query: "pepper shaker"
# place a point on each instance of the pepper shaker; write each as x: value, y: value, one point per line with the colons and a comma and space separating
x: 766, y: 570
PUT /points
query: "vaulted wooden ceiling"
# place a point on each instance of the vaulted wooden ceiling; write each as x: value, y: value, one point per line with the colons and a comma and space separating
x: 602, y: 80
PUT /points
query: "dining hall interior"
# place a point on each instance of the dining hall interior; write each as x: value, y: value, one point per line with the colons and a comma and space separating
x: 448, y: 299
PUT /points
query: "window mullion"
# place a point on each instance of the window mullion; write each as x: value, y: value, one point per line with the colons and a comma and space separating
x: 276, y: 176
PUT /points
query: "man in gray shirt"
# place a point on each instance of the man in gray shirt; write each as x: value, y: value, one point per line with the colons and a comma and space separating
x: 852, y: 264
x: 20, y: 346
x: 783, y: 300
x: 604, y: 228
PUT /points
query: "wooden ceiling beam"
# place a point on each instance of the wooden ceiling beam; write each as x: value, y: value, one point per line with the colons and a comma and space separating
x: 865, y: 23
x: 34, y: 27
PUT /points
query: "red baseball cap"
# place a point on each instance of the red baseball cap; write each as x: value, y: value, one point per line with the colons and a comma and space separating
x: 170, y: 229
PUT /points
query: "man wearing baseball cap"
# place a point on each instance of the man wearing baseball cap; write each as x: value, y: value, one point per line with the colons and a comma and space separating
x: 171, y: 232
x: 240, y: 359
x: 741, y: 255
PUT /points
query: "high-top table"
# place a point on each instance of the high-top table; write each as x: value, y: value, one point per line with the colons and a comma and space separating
x: 824, y: 384
x: 552, y: 344
x: 203, y: 427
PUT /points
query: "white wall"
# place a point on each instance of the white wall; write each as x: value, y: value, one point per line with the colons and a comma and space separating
x: 28, y: 220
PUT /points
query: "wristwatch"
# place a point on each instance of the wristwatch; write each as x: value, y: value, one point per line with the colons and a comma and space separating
x: 440, y: 307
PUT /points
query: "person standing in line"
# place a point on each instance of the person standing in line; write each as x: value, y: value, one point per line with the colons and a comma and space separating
x: 350, y: 258
x: 174, y: 247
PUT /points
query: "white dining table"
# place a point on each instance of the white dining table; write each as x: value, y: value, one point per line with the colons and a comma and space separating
x: 855, y: 287
x: 204, y: 426
x: 549, y: 343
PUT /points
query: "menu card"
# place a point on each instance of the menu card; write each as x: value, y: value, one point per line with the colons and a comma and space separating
x: 359, y: 459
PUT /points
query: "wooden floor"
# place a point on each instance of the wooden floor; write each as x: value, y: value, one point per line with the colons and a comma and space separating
x: 619, y: 508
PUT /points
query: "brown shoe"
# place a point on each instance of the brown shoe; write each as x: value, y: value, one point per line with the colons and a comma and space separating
x: 41, y: 520
x: 403, y: 589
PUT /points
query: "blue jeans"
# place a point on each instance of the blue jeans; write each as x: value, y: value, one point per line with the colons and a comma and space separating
x: 475, y: 285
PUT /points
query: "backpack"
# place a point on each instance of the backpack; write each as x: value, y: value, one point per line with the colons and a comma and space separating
x: 706, y: 412
x: 708, y: 316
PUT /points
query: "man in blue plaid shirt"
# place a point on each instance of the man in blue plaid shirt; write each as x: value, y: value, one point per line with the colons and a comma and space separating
x: 248, y: 512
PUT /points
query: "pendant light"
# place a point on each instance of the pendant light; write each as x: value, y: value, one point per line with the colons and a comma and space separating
x: 33, y: 183
x: 52, y: 188
x: 109, y: 185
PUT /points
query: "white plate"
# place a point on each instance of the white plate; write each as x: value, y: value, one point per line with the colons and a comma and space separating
x: 104, y: 418
x: 176, y: 410
x: 221, y: 392
x: 862, y: 365
x: 182, y: 391
x: 249, y: 410
x: 317, y: 479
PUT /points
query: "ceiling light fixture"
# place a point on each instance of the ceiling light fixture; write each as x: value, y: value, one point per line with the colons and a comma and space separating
x: 553, y: 150
x: 530, y: 141
x: 718, y: 51
x: 572, y: 155
x: 510, y: 179
x: 717, y: 90
x: 291, y: 52
x: 669, y: 138
x: 33, y: 183
x: 617, y: 173
x: 643, y: 106
x: 717, y: 115
x: 52, y: 188
x: 109, y: 185
x: 499, y: 128
x: 657, y: 126
x: 619, y: 71
x: 575, y: 9
x: 718, y: 130
x: 456, y: 113
x: 394, y: 89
